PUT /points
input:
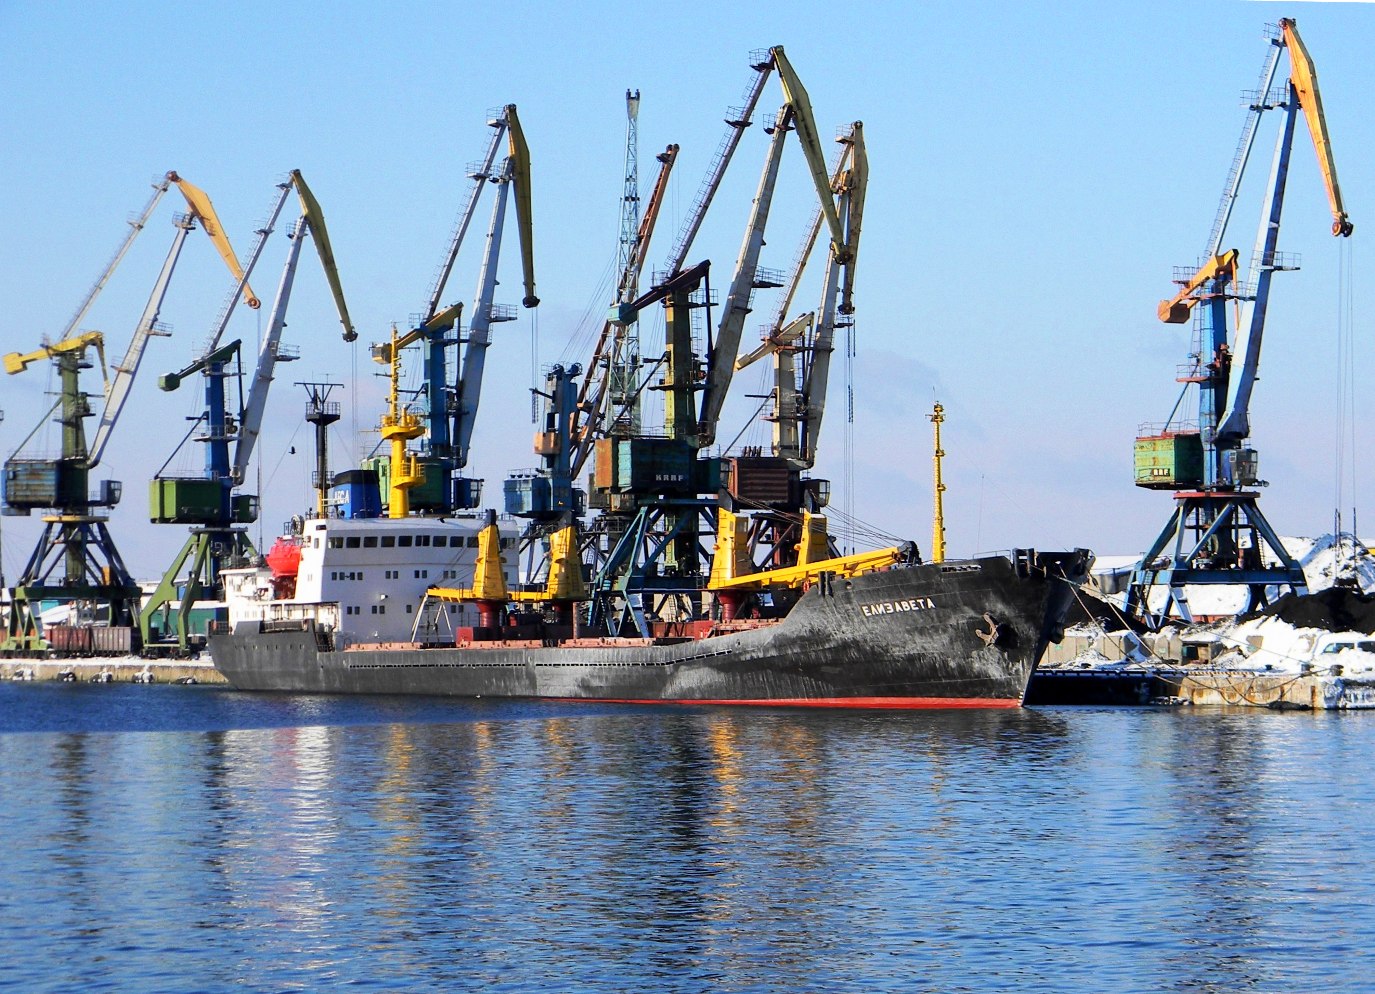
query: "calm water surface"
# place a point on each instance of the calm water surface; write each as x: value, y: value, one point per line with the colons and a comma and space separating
x: 193, y: 839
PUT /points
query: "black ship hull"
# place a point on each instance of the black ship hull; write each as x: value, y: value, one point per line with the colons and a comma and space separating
x: 956, y: 634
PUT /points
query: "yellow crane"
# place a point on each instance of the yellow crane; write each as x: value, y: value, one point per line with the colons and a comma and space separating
x: 16, y: 362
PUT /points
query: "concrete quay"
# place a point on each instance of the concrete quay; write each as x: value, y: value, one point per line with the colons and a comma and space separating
x: 122, y: 669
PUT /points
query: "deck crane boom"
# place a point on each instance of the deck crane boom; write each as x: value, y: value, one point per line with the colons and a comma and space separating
x: 1217, y: 531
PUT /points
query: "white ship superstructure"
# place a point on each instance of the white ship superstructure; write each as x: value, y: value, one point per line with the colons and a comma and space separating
x: 367, y: 576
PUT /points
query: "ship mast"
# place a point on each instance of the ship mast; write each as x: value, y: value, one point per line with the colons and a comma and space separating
x: 399, y: 426
x: 937, y: 417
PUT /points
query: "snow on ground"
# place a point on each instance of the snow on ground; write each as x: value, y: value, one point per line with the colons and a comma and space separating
x: 1329, y: 560
x: 1326, y: 561
x: 1271, y: 644
x: 1265, y: 644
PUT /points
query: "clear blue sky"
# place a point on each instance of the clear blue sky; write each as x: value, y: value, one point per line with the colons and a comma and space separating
x: 1037, y: 172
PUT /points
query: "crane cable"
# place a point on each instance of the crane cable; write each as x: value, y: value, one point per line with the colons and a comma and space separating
x: 1345, y: 442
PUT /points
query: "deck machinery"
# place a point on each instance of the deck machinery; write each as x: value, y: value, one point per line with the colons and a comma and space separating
x: 1217, y: 533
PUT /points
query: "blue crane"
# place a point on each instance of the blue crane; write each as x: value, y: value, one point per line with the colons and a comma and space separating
x: 1217, y: 533
x: 219, y: 517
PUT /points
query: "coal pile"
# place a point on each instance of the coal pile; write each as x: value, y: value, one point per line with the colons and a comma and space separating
x: 1336, y: 609
x: 1087, y: 609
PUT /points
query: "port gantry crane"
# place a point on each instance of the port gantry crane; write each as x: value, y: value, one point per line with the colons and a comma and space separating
x: 651, y: 486
x: 218, y: 516
x: 801, y: 350
x: 1217, y: 533
x: 577, y: 408
x: 432, y: 481
x: 76, y: 535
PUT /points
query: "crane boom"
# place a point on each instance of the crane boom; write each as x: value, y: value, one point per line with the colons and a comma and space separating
x: 480, y: 325
x: 1304, y: 79
x: 125, y: 372
x: 135, y: 226
x: 1177, y: 309
x: 805, y: 123
x: 204, y: 211
x: 465, y: 216
x: 385, y: 352
x: 312, y: 221
x: 732, y: 323
x: 735, y: 128
x: 854, y: 215
x: 256, y: 404
x: 16, y: 362
x: 1235, y: 422
x: 222, y: 322
x: 1243, y: 153
x: 519, y: 157
x: 315, y: 220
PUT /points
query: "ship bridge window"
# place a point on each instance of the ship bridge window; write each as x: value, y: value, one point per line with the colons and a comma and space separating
x: 370, y: 542
x: 336, y: 543
x: 351, y: 542
x: 422, y: 540
x: 441, y: 540
x: 404, y: 541
x: 472, y: 541
x: 388, y: 541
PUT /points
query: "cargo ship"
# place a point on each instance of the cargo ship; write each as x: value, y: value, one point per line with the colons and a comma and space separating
x: 963, y: 633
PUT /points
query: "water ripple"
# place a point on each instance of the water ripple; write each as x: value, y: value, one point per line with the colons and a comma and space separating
x: 175, y: 839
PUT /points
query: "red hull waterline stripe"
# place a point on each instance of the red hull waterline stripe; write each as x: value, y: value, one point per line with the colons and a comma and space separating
x: 905, y: 703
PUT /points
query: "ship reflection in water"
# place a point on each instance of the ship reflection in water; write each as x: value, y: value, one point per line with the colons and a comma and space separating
x: 307, y: 843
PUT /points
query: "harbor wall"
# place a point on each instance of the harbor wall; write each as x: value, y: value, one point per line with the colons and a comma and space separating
x: 123, y: 669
